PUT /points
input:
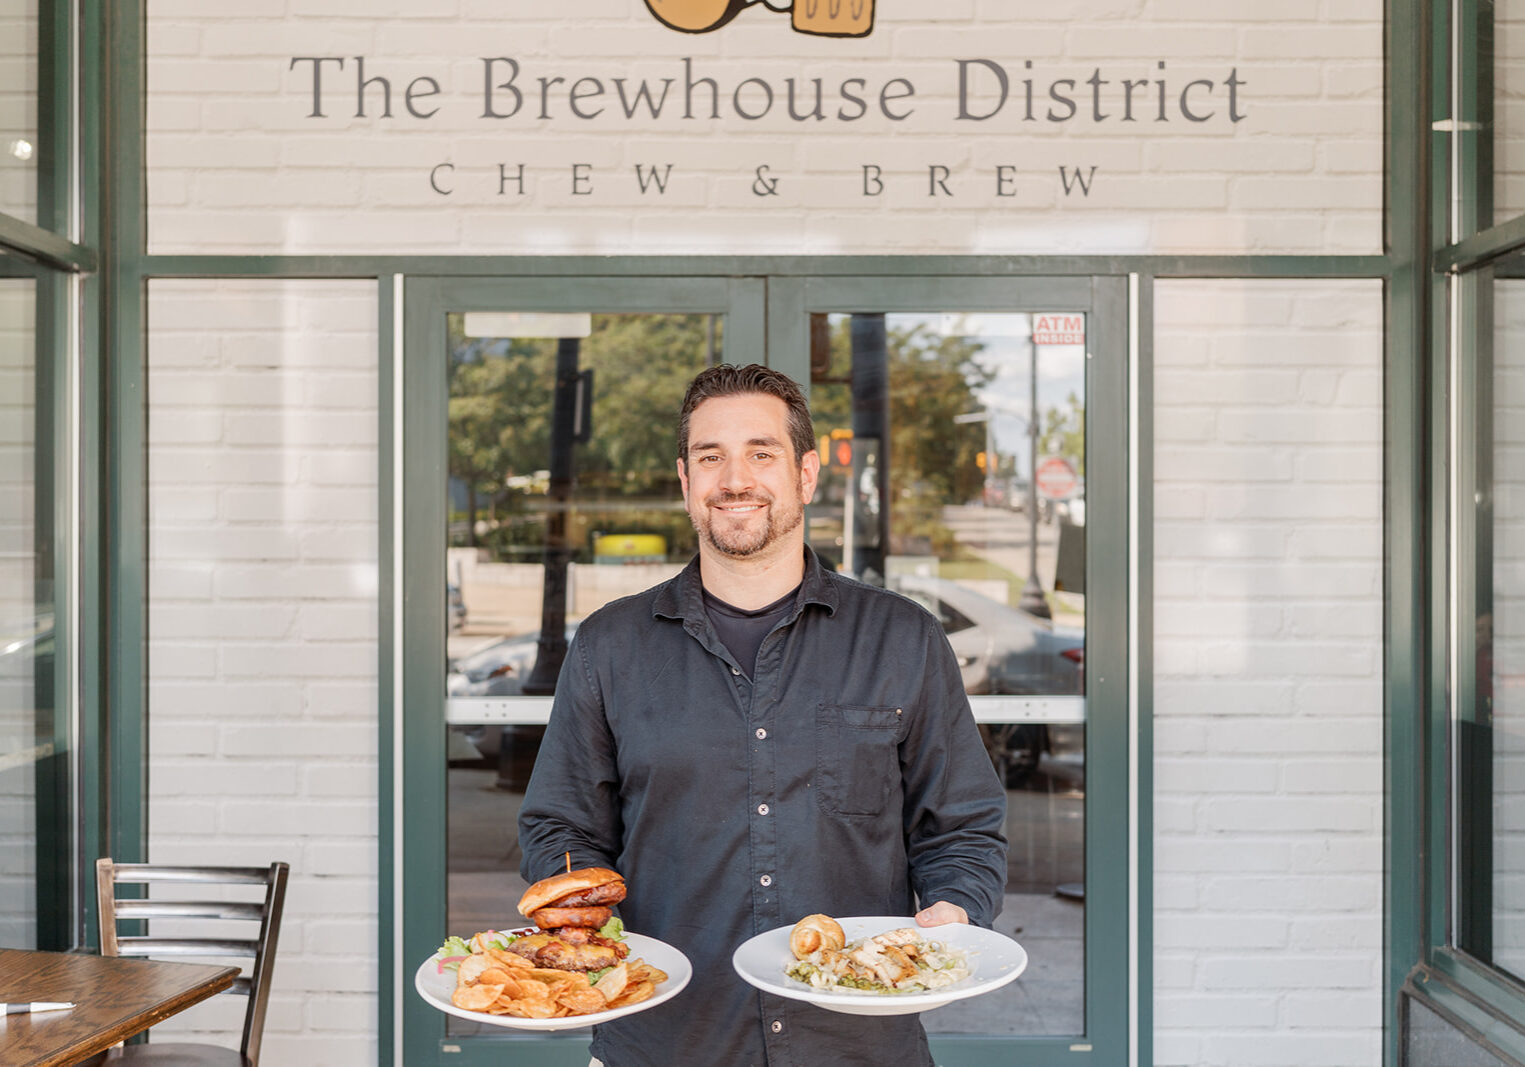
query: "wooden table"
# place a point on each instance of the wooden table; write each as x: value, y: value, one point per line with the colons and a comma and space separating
x: 114, y: 998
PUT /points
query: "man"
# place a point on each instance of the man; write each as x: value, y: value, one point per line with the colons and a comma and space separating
x: 760, y: 739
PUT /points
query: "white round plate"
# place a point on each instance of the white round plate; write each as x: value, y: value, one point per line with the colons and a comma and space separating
x: 994, y: 960
x: 435, y: 986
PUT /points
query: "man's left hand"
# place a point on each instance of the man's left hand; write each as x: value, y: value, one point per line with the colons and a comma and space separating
x: 942, y: 913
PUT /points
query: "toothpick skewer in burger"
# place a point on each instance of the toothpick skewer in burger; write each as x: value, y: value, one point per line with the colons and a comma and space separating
x: 570, y: 910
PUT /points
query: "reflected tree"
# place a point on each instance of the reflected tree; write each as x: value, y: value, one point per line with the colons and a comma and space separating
x: 500, y: 424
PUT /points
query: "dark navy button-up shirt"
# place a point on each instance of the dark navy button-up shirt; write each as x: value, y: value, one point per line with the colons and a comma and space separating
x: 846, y: 776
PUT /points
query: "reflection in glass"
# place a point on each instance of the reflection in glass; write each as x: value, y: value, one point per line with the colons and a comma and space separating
x: 953, y: 471
x: 564, y: 495
x: 932, y: 429
x: 19, y: 147
x: 27, y: 752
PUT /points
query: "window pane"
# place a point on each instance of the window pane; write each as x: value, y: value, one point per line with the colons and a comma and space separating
x: 18, y: 109
x: 564, y: 495
x: 28, y: 727
x: 930, y: 429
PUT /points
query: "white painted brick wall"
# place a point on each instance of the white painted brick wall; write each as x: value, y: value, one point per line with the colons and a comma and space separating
x: 236, y: 165
x: 1508, y: 115
x: 1507, y: 626
x: 18, y: 108
x: 1268, y: 674
x: 18, y: 611
x: 263, y: 630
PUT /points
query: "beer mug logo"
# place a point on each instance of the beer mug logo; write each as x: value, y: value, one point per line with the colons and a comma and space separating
x: 821, y: 18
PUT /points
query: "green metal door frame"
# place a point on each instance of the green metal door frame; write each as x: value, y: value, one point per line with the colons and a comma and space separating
x: 767, y: 321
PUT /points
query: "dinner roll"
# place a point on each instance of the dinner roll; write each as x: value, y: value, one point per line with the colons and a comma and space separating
x: 815, y: 932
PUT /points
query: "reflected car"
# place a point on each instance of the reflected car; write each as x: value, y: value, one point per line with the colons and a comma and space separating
x: 1017, y: 491
x: 1001, y: 650
x: 1004, y: 651
x: 498, y: 669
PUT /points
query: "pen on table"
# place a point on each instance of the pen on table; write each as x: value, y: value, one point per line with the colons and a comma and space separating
x: 39, y: 1005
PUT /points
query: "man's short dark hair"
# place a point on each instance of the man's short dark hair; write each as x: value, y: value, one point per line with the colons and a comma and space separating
x: 729, y: 380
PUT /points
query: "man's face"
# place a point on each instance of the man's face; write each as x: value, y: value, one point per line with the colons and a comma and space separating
x: 745, y: 490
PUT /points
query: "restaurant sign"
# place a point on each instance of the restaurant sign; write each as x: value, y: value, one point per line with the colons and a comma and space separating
x: 811, y: 125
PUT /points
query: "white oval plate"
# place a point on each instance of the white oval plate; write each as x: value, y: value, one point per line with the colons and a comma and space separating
x: 994, y: 960
x: 436, y: 986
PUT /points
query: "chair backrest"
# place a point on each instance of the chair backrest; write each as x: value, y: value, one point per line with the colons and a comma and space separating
x: 254, y: 983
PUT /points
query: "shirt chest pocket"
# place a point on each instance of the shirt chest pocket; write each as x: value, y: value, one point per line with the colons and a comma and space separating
x: 857, y: 758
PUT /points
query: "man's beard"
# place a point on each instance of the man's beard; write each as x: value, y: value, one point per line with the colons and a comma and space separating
x: 741, y: 542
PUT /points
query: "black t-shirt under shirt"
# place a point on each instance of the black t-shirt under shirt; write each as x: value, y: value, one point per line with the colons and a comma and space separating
x: 743, y: 631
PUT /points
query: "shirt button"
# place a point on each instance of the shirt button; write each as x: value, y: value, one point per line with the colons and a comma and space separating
x: 761, y: 733
x: 777, y: 1027
x: 762, y: 809
x: 735, y: 671
x: 765, y: 881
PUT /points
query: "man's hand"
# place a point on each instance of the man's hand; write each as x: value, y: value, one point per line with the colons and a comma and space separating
x: 941, y: 913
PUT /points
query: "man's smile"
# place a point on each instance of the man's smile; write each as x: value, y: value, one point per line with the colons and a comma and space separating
x: 737, y: 507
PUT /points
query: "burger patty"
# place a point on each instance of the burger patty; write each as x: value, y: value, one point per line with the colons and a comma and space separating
x: 551, y: 918
x: 608, y: 893
x: 545, y: 950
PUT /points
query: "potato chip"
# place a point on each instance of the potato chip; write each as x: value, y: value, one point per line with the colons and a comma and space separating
x: 582, y: 1001
x: 612, y: 984
x: 495, y: 976
x: 509, y: 960
x: 532, y: 1009
x: 499, y: 982
x: 634, y: 993
x: 475, y: 997
x: 471, y: 969
x: 644, y: 971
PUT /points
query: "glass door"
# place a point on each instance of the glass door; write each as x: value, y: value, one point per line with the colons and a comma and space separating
x: 971, y: 432
x: 556, y: 492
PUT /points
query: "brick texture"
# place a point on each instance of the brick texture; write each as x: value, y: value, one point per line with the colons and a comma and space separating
x: 1505, y: 624
x: 21, y: 614
x: 248, y: 152
x: 19, y: 149
x: 262, y: 628
x: 1268, y: 674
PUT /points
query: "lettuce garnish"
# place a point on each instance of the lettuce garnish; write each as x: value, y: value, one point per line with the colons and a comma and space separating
x: 452, y: 952
x: 456, y: 949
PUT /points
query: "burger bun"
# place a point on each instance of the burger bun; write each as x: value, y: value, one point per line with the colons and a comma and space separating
x: 549, y: 890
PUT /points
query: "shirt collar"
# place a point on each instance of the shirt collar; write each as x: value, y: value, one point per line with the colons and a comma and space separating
x: 683, y: 596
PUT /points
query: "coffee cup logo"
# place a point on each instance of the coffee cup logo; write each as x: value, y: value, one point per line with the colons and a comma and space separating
x: 820, y: 18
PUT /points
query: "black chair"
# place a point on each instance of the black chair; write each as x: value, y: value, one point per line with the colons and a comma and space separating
x: 253, y: 983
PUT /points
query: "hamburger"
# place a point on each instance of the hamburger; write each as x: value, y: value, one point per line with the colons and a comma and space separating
x: 574, y: 916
